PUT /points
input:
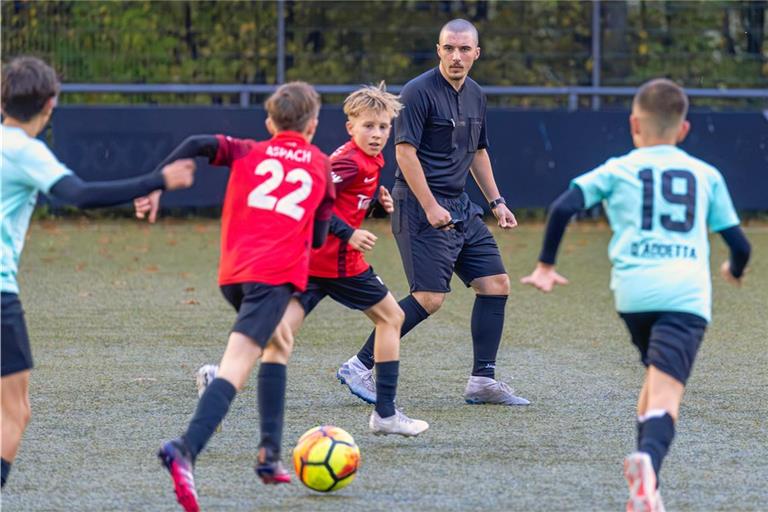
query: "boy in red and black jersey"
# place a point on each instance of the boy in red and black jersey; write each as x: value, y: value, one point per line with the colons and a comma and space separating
x: 338, y: 269
x: 278, y: 204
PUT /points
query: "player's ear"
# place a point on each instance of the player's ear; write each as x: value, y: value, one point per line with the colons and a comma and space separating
x: 685, y: 127
x: 311, y: 128
x: 477, y: 53
x: 349, y: 125
x: 634, y: 125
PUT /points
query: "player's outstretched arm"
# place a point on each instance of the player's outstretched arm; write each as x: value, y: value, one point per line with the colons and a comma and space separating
x: 562, y: 209
x: 733, y: 269
x: 482, y: 172
x: 71, y: 189
x: 191, y: 147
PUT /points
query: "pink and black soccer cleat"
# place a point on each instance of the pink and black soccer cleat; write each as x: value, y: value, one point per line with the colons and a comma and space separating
x: 271, y: 471
x: 176, y: 459
x: 641, y: 479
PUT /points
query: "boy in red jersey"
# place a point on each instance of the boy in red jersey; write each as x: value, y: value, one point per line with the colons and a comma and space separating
x: 338, y: 268
x: 278, y: 202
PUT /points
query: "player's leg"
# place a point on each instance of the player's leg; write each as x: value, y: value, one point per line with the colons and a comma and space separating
x: 16, y: 413
x: 260, y: 308
x: 480, y: 266
x: 16, y: 360
x: 272, y: 381
x: 386, y: 419
x: 428, y: 257
x: 673, y: 343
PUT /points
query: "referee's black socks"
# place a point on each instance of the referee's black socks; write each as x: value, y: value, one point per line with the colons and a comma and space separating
x: 487, y: 325
x: 414, y: 315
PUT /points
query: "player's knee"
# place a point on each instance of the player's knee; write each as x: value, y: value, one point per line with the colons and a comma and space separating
x: 430, y: 301
x: 492, y: 285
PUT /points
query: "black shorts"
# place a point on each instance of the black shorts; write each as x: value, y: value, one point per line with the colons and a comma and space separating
x: 361, y: 292
x: 16, y: 354
x: 667, y: 340
x: 431, y: 256
x: 260, y: 307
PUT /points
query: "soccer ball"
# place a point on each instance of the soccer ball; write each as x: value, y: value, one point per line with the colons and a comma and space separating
x: 326, y: 458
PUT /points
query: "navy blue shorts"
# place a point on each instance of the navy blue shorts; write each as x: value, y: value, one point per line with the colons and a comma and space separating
x: 431, y: 256
x: 362, y: 291
x: 260, y: 307
x: 667, y: 340
x: 16, y: 354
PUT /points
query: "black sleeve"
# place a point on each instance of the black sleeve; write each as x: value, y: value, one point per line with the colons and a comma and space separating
x: 740, y: 249
x: 320, y: 232
x: 93, y: 194
x: 191, y: 147
x: 340, y: 228
x: 560, y: 213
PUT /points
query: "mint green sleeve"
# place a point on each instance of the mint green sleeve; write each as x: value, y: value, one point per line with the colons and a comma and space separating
x: 596, y: 184
x: 41, y: 168
x: 721, y: 215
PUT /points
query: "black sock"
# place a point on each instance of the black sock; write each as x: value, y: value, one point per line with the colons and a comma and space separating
x: 386, y: 387
x: 657, y: 435
x: 272, y: 382
x: 6, y: 470
x: 639, y: 433
x: 414, y: 315
x: 211, y: 409
x: 487, y: 325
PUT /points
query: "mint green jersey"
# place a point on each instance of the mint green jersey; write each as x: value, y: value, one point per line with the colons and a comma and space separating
x: 27, y: 167
x: 660, y: 202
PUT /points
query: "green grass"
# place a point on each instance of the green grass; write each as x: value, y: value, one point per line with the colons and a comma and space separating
x: 120, y: 316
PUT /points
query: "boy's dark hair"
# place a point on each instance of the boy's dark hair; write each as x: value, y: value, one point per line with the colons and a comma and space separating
x: 293, y: 105
x: 28, y: 83
x: 665, y: 101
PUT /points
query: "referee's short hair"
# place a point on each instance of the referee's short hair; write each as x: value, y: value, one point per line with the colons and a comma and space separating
x: 664, y: 101
x: 293, y: 105
x: 28, y: 84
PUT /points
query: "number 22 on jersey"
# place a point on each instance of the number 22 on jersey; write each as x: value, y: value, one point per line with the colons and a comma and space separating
x: 686, y: 198
x: 260, y: 197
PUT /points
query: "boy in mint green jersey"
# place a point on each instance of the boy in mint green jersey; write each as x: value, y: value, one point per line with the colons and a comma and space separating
x: 661, y: 203
x: 29, y: 90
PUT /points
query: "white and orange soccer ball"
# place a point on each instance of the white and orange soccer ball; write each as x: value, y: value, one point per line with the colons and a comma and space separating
x: 326, y: 458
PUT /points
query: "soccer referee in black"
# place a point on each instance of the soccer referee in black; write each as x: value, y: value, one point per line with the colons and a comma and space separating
x: 440, y: 137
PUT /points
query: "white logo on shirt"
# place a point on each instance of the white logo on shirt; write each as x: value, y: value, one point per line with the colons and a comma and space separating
x: 368, y: 180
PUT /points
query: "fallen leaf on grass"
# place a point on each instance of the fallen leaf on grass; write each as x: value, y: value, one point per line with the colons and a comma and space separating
x: 151, y: 268
x: 189, y: 289
x: 191, y: 302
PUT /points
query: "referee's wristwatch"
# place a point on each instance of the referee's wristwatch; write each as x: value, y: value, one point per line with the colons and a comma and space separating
x: 496, y: 202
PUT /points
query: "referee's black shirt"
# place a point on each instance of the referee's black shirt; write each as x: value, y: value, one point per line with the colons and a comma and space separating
x: 445, y: 126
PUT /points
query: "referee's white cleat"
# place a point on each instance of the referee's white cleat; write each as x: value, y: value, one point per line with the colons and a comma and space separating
x: 485, y: 390
x: 398, y: 423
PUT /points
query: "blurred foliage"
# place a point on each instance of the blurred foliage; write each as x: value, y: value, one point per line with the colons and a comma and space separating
x: 709, y: 43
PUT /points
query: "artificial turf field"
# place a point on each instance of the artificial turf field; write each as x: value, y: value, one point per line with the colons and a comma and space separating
x: 121, y: 315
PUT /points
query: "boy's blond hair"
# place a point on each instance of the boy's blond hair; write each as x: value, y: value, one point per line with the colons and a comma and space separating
x: 371, y: 97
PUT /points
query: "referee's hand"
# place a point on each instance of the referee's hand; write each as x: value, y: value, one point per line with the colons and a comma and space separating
x: 506, y: 218
x: 438, y: 217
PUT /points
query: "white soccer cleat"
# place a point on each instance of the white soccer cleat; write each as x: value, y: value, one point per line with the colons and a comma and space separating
x: 358, y: 379
x: 485, y: 390
x: 398, y: 423
x: 641, y: 479
x: 205, y: 375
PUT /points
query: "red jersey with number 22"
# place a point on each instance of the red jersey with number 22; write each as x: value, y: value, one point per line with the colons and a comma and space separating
x: 356, y: 176
x: 276, y: 189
